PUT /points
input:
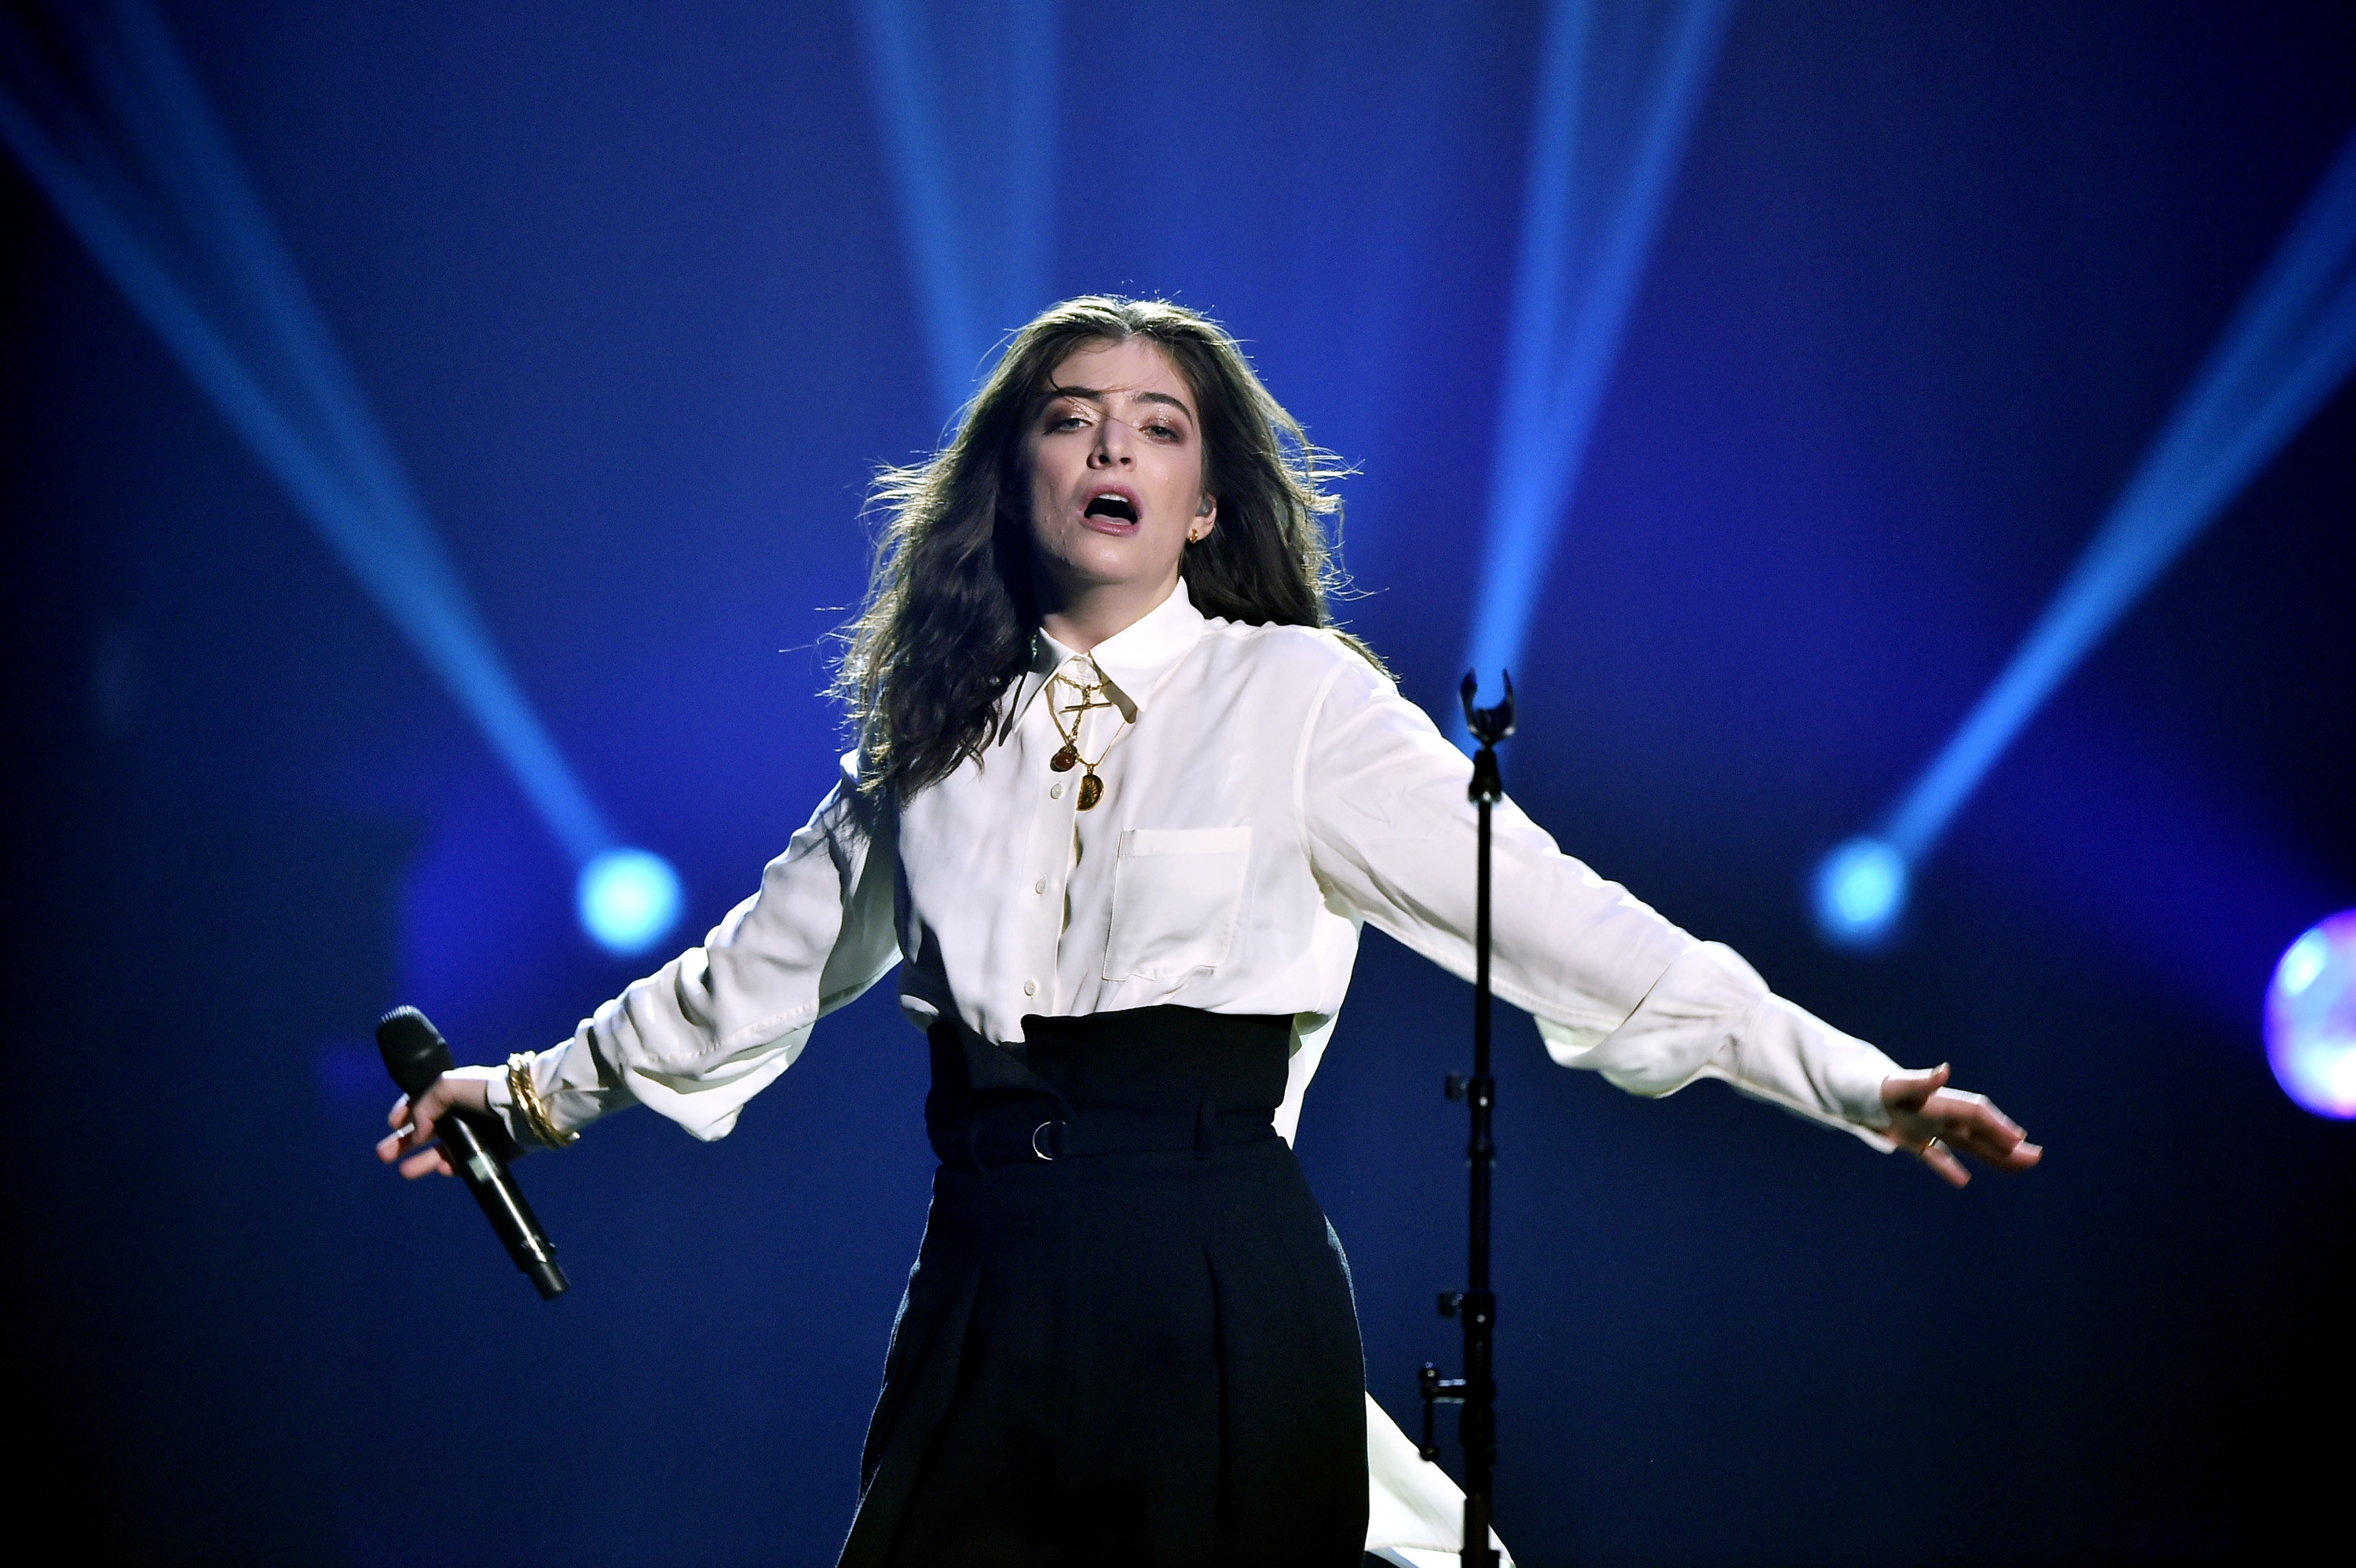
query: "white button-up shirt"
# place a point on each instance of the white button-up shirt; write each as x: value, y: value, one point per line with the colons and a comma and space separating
x: 1266, y: 792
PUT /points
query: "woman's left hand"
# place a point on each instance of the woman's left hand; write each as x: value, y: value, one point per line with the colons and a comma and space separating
x: 1935, y: 1122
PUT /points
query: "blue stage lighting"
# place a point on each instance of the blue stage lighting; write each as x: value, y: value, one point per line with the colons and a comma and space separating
x: 2311, y: 1018
x: 1860, y: 892
x: 1617, y: 87
x: 144, y: 176
x: 629, y: 900
x: 966, y: 92
x: 2288, y: 348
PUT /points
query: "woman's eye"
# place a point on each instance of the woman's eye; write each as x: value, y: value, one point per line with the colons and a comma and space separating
x: 1168, y: 433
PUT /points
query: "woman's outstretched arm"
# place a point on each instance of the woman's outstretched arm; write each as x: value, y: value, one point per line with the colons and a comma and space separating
x: 699, y: 1037
x: 1614, y: 986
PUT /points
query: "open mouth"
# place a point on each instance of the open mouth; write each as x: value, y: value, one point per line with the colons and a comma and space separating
x: 1112, y: 507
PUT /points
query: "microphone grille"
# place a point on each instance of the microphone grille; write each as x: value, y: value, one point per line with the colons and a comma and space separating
x: 413, y: 1050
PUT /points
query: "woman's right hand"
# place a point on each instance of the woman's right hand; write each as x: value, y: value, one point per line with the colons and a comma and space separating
x: 413, y: 1124
x: 1934, y: 1121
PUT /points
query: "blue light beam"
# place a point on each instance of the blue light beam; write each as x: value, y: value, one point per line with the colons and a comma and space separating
x: 2287, y: 346
x: 151, y: 187
x: 966, y: 95
x: 1618, y: 87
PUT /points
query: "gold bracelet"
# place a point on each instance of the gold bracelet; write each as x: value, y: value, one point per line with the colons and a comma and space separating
x: 525, y: 1095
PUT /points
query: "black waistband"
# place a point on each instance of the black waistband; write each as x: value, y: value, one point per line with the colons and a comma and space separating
x: 1142, y: 1081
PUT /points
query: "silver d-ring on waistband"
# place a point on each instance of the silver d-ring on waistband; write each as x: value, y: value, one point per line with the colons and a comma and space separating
x: 1043, y: 1154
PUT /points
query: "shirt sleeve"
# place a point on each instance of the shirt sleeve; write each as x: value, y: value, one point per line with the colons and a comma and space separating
x: 1614, y: 985
x: 716, y: 1026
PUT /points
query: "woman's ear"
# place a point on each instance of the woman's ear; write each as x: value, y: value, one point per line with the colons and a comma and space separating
x: 1206, y: 517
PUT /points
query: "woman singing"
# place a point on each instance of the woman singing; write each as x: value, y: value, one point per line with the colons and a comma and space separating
x: 1119, y: 803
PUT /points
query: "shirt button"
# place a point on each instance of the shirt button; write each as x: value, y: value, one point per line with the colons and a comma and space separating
x: 1055, y: 792
x: 1040, y: 886
x: 1030, y: 988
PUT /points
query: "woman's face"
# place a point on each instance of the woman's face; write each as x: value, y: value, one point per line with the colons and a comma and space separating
x: 1115, y: 465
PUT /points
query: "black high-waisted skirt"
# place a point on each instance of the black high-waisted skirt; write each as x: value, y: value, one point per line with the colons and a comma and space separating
x: 1129, y: 1337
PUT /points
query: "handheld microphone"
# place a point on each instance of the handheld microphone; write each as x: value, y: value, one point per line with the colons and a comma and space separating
x: 479, y: 1147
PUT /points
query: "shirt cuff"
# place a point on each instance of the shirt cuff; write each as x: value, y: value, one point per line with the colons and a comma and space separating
x: 574, y: 1088
x: 494, y: 1081
x: 1710, y: 1016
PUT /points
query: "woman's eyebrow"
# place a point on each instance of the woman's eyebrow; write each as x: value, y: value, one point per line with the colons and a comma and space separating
x: 1098, y: 394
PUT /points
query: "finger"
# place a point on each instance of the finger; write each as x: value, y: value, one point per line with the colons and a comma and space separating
x: 2009, y: 1157
x: 1997, y: 1141
x: 1961, y: 1108
x: 1983, y: 1142
x: 426, y: 1162
x: 1953, y: 1105
x: 1909, y: 1091
x: 2021, y: 1156
x: 1945, y: 1164
x: 1985, y: 1131
x: 400, y: 1113
x: 392, y: 1149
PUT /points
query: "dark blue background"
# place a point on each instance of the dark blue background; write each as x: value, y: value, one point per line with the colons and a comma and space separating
x: 626, y: 287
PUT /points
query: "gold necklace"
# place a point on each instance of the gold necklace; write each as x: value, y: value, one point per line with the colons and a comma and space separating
x: 1064, y: 761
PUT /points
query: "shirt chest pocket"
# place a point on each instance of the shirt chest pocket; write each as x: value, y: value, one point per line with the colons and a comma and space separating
x: 1177, y: 896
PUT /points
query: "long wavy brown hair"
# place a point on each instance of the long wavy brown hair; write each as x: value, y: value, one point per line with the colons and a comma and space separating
x: 950, y: 608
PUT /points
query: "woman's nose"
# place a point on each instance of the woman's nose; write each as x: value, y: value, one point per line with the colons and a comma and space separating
x: 1112, y: 445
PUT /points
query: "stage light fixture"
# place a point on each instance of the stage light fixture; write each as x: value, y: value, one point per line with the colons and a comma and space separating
x: 1860, y: 892
x: 2287, y: 349
x: 629, y: 900
x: 2311, y: 1018
x: 1618, y: 85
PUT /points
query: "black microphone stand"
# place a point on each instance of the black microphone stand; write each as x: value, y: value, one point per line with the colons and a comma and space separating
x: 1476, y: 1391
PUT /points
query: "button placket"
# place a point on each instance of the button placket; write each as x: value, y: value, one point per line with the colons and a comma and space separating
x: 1053, y: 845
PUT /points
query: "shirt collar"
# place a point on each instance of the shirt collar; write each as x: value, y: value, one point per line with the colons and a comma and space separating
x: 1132, y: 660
